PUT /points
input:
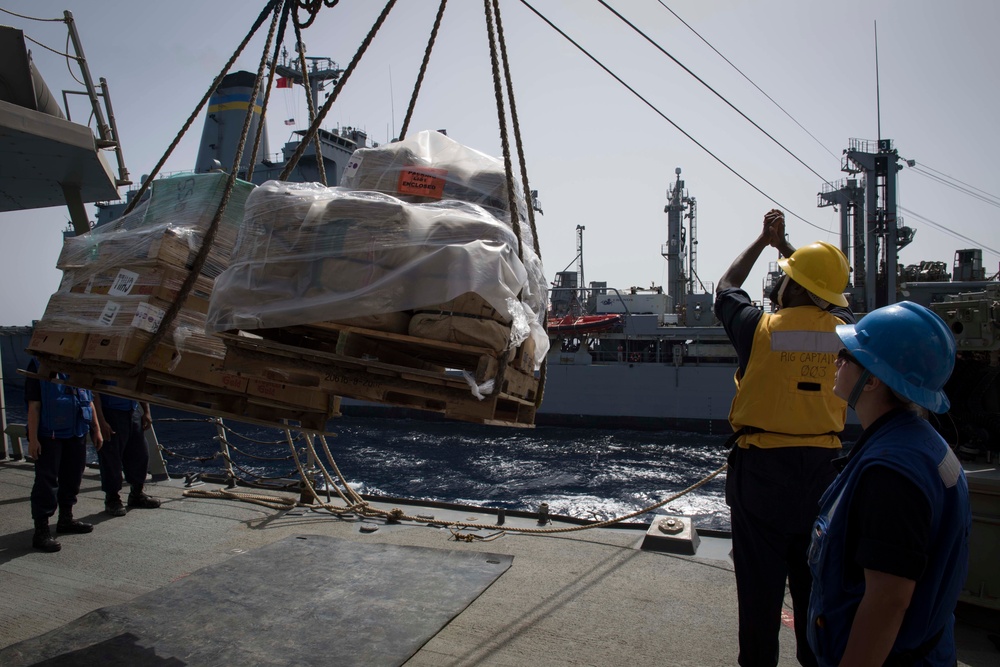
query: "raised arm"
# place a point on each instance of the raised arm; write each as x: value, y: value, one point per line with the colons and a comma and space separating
x: 772, y: 234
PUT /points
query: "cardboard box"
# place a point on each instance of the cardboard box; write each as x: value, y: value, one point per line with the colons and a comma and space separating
x: 125, y: 348
x: 187, y: 365
x: 59, y: 343
x: 157, y: 280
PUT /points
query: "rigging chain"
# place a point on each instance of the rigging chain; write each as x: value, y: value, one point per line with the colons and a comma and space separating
x: 312, y: 8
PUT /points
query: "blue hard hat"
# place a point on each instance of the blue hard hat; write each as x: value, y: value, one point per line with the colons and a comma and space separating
x: 908, y: 347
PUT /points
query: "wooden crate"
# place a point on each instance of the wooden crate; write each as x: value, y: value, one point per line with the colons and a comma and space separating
x: 393, y: 369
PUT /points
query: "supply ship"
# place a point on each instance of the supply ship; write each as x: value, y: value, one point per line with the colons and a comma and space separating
x: 657, y: 358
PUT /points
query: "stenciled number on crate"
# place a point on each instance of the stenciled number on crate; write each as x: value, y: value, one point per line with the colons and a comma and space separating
x: 355, y: 381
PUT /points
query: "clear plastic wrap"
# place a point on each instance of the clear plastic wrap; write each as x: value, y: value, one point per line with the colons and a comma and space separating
x: 117, y: 327
x: 119, y: 279
x: 167, y: 228
x: 308, y: 253
x: 430, y: 166
x: 154, y: 279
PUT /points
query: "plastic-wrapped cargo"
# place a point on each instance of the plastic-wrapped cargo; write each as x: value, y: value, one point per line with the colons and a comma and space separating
x: 118, y: 327
x: 168, y: 228
x: 308, y: 253
x: 155, y: 279
x: 120, y: 278
x: 430, y: 166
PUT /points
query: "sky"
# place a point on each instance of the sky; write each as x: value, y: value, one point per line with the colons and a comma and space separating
x: 597, y: 154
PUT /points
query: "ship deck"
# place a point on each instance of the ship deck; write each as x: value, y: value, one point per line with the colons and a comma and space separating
x: 591, y: 597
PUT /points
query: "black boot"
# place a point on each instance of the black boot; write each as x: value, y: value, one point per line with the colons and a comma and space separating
x: 139, y: 500
x: 43, y: 539
x: 113, y: 505
x: 67, y: 524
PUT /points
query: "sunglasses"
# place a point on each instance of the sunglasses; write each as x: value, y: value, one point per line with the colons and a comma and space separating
x: 845, y: 357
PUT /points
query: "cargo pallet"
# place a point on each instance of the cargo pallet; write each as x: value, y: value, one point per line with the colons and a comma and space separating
x: 392, y: 369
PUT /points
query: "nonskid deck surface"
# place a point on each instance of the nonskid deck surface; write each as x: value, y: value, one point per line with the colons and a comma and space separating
x: 582, y: 598
x: 388, y: 599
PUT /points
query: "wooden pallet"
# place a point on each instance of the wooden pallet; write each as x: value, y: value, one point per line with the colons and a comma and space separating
x: 393, y: 369
x: 184, y: 394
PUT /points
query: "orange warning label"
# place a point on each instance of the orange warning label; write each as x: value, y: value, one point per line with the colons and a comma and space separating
x: 422, y: 181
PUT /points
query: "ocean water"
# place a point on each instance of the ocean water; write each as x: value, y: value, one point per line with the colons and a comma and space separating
x: 585, y: 473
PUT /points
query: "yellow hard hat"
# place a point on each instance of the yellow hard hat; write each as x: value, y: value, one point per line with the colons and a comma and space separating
x: 821, y: 268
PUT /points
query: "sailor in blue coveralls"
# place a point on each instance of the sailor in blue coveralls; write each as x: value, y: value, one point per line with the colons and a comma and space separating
x: 59, y: 418
x: 890, y: 547
x: 122, y: 423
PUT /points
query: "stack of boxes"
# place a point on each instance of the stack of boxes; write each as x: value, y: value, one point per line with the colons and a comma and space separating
x: 418, y: 240
x: 120, y: 279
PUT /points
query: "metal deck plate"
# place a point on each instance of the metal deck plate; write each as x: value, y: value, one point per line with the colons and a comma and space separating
x: 307, y: 600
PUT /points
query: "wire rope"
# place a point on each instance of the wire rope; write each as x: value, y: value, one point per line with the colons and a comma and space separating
x: 713, y: 90
x: 752, y: 83
x: 669, y: 120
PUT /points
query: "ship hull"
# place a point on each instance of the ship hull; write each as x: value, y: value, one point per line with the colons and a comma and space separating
x: 638, y: 395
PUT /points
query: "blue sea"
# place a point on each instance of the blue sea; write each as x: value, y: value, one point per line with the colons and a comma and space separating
x: 585, y: 473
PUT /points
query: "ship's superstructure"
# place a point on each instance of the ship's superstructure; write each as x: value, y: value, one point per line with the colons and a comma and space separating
x: 50, y: 160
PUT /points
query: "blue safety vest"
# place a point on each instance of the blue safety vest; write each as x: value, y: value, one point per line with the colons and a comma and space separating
x: 65, y: 410
x: 911, y: 446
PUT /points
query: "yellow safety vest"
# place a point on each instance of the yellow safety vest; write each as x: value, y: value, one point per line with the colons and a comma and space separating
x: 787, y: 389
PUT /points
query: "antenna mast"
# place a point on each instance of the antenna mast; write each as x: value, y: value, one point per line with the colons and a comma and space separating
x: 878, y: 95
x: 581, y: 286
